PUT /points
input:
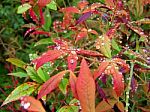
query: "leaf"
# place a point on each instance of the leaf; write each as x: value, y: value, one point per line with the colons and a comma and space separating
x: 50, y: 55
x: 101, y: 69
x: 52, y: 5
x: 81, y: 35
x: 117, y: 81
x: 43, y: 3
x: 33, y: 16
x: 83, y: 4
x: 115, y: 45
x: 23, y: 8
x: 69, y: 109
x: 51, y: 84
x: 63, y: 85
x: 48, y: 20
x: 16, y: 62
x: 88, y: 52
x: 22, y: 90
x: 120, y: 106
x: 19, y: 74
x: 40, y: 32
x: 86, y: 88
x: 74, y: 102
x: 72, y: 81
x: 134, y: 85
x: 104, y: 45
x: 72, y: 61
x: 70, y: 10
x: 31, y: 104
x: 103, y: 106
x: 44, y: 41
x: 33, y: 75
x: 43, y: 75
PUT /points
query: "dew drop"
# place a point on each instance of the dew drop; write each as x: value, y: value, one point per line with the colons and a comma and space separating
x: 26, y: 105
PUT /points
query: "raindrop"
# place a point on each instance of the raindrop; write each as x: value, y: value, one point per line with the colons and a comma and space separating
x: 72, y: 61
x: 26, y: 105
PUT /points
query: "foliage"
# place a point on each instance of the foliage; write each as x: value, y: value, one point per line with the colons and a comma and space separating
x: 96, y: 57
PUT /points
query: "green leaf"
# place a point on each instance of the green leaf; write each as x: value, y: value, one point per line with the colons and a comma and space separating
x: 19, y: 74
x: 69, y: 109
x: 43, y: 75
x: 73, y: 101
x: 23, y: 8
x: 115, y: 45
x: 44, y: 41
x: 52, y: 5
x: 16, y: 62
x: 22, y: 90
x: 48, y: 20
x: 33, y: 75
x: 63, y: 85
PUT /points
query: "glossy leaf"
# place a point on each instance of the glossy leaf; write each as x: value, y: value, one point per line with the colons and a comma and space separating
x: 52, y: 5
x: 22, y: 90
x: 31, y: 104
x: 101, y: 69
x: 86, y: 88
x: 43, y: 75
x: 69, y: 109
x: 33, y: 75
x: 16, y: 62
x: 43, y: 3
x: 50, y: 55
x: 72, y: 81
x: 51, y: 84
x: 103, y: 106
x: 44, y: 41
x: 63, y: 85
x: 118, y: 81
x: 104, y: 45
x: 23, y: 8
x: 19, y: 74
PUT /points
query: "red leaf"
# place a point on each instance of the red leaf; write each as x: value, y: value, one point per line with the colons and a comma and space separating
x: 43, y: 3
x: 86, y: 88
x: 42, y: 21
x: 72, y: 81
x: 29, y: 30
x: 31, y: 104
x: 33, y: 16
x: 72, y: 60
x: 82, y: 4
x: 101, y: 69
x: 50, y: 55
x: 51, y: 84
x: 81, y: 35
x: 88, y: 52
x: 38, y: 32
x: 117, y: 81
x: 70, y: 10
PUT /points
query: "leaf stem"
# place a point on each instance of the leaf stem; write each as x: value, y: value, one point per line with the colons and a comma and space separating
x: 129, y: 87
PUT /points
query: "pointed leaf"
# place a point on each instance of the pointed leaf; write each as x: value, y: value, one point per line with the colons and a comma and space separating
x: 19, y: 74
x: 31, y: 104
x: 118, y: 81
x: 48, y: 20
x: 43, y: 3
x: 86, y: 88
x: 81, y: 35
x: 51, y: 84
x: 63, y: 85
x: 16, y: 62
x: 52, y: 5
x: 33, y: 16
x: 44, y: 41
x: 22, y: 90
x: 101, y: 69
x: 120, y: 106
x: 43, y: 75
x: 33, y: 75
x: 103, y: 106
x: 23, y: 8
x: 70, y: 10
x: 50, y: 55
x: 72, y: 81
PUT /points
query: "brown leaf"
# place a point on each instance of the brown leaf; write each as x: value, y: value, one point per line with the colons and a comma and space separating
x: 86, y: 88
x: 120, y: 106
x: 31, y: 104
x: 51, y: 84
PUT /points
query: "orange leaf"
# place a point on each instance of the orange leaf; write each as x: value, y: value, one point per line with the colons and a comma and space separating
x: 50, y: 55
x: 31, y: 104
x: 51, y: 84
x: 118, y: 81
x: 72, y: 80
x: 86, y: 88
x: 103, y: 106
x: 82, y: 4
x: 101, y: 69
x: 70, y: 10
x: 120, y: 106
x: 81, y: 35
